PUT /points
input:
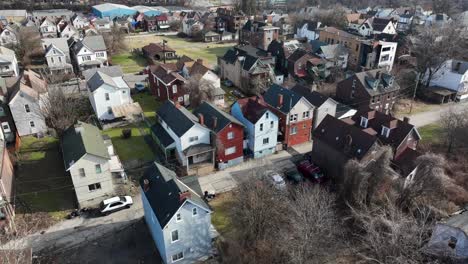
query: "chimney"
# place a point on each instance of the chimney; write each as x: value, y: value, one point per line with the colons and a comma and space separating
x: 280, y: 100
x: 78, y: 128
x: 377, y: 75
x: 177, y: 104
x: 146, y: 185
x: 200, y: 61
x: 406, y: 120
x: 215, y: 122
x: 184, y: 195
x: 201, y: 119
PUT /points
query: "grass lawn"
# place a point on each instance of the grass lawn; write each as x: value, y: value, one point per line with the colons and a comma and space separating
x: 42, y: 185
x: 196, y: 50
x: 130, y: 63
x: 132, y: 148
x: 220, y: 217
x: 148, y: 103
x: 229, y: 99
x: 403, y: 107
x: 431, y: 134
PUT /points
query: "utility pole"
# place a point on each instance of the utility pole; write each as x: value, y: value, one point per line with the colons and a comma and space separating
x: 415, y: 89
x: 164, y: 51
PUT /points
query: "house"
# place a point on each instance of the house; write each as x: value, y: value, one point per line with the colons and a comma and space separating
x: 79, y: 22
x: 162, y: 23
x: 178, y: 219
x: 57, y: 55
x: 48, y: 28
x: 452, y: 76
x: 207, y: 79
x: 52, y: 14
x: 297, y: 62
x: 228, y: 132
x: 9, y: 34
x: 14, y: 15
x: 110, y: 10
x: 309, y: 30
x: 194, y: 148
x: 259, y: 34
x: 449, y: 238
x: 375, y: 89
x: 234, y: 20
x: 158, y: 51
x: 106, y: 93
x: 167, y: 84
x: 90, y: 52
x: 90, y: 159
x: 378, y: 54
x: 191, y: 27
x: 294, y: 112
x: 332, y: 35
x: 211, y: 36
x: 335, y: 142
x: 7, y: 190
x: 25, y: 105
x: 122, y: 23
x: 323, y: 105
x: 337, y: 55
x: 376, y: 26
x: 261, y: 125
x: 8, y: 63
x: 68, y: 31
x: 355, y: 20
x: 102, y: 24
x: 405, y: 22
x: 252, y: 72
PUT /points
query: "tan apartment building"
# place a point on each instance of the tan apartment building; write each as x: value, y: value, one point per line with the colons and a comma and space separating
x: 332, y: 35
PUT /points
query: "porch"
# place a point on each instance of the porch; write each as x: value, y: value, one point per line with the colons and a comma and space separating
x: 199, y: 159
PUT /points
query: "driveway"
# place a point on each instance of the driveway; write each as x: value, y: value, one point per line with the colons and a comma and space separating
x: 70, y: 233
x: 427, y: 118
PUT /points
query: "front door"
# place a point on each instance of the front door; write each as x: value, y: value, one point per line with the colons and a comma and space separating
x: 190, y: 160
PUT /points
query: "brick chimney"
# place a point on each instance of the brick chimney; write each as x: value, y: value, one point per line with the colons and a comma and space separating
x: 406, y: 120
x: 201, y: 119
x: 177, y: 104
x: 146, y: 185
x: 184, y: 195
x: 280, y: 100
x: 200, y: 61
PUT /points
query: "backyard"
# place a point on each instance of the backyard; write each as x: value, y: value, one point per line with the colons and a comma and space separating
x: 220, y: 217
x: 148, y: 103
x: 42, y: 183
x: 196, y: 50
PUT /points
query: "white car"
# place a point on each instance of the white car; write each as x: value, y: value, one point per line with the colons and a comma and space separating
x: 114, y: 204
x: 276, y: 179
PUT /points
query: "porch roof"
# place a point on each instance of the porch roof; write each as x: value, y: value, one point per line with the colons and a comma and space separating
x: 197, y: 149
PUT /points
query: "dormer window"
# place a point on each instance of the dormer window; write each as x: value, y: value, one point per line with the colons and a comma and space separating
x: 385, y: 131
x: 364, y: 122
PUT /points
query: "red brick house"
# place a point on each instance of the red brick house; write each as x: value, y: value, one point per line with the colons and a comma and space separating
x: 228, y: 131
x: 158, y: 51
x: 375, y: 89
x: 167, y: 84
x: 298, y: 62
x: 295, y: 115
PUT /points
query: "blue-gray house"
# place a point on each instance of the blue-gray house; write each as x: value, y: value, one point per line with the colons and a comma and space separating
x: 112, y: 10
x: 178, y: 218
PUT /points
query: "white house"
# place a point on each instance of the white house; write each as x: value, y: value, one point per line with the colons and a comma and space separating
x: 90, y: 52
x: 9, y: 35
x: 260, y: 123
x: 93, y: 166
x: 190, y: 26
x: 57, y: 55
x: 79, y: 22
x: 192, y: 139
x: 68, y: 31
x: 177, y: 217
x: 48, y: 28
x: 106, y: 93
x: 309, y: 30
x: 8, y: 63
x: 376, y: 26
x: 102, y: 24
x: 452, y: 75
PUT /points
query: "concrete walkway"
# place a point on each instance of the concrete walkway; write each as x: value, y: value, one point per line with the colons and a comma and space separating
x: 228, y: 179
x: 430, y: 117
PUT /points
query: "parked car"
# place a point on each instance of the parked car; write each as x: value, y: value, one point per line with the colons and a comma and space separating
x: 276, y: 179
x: 294, y: 176
x: 114, y: 204
x: 311, y: 171
x: 237, y: 94
x: 228, y: 83
x: 139, y: 87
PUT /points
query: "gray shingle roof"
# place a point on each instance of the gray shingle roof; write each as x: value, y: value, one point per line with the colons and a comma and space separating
x: 163, y: 137
x: 290, y: 98
x: 209, y: 112
x: 94, y: 43
x: 180, y: 120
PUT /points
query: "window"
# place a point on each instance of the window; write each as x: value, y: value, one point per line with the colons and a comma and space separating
x: 26, y: 107
x: 180, y: 99
x: 193, y: 139
x: 386, y: 49
x: 194, y: 211
x: 60, y: 59
x: 174, y: 236
x: 98, y: 168
x: 305, y: 114
x: 385, y: 131
x: 178, y: 217
x: 52, y: 60
x: 178, y: 256
x: 124, y: 92
x: 31, y: 124
x: 109, y: 110
x: 364, y: 122
x: 86, y: 58
x: 272, y: 124
x: 174, y: 88
x: 107, y: 96
x: 82, y: 172
x: 293, y: 130
x: 385, y: 58
x: 293, y: 118
x: 266, y: 141
x: 100, y: 54
x: 230, y: 151
x: 267, y: 115
x: 94, y: 187
x: 261, y: 127
x: 230, y: 135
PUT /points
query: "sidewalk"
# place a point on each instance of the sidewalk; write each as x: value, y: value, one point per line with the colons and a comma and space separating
x: 228, y: 179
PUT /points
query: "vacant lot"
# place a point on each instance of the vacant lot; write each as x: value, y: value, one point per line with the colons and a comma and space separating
x: 148, y: 103
x: 133, y: 148
x: 221, y: 218
x: 431, y: 134
x: 129, y: 62
x: 196, y: 50
x: 42, y: 185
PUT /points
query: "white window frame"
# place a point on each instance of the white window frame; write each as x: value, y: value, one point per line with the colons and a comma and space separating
x: 267, y: 141
x: 364, y: 122
x: 172, y: 238
x: 230, y: 151
x: 177, y: 255
x: 194, y: 211
x: 385, y: 131
x: 27, y: 108
x: 174, y: 88
x: 293, y: 130
x: 95, y: 187
x: 32, y: 124
x: 178, y: 217
x: 230, y: 135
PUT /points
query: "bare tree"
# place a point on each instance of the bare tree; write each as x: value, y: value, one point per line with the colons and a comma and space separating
x: 61, y: 111
x: 115, y: 39
x: 454, y: 127
x: 333, y: 17
x: 199, y: 90
x: 28, y: 45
